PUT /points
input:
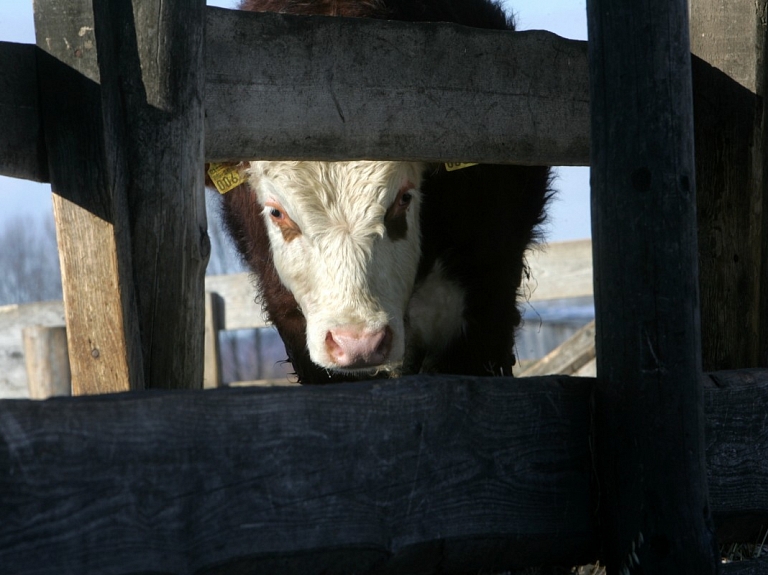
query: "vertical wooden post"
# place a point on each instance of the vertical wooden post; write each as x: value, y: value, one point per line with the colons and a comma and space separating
x: 214, y: 320
x: 94, y: 240
x: 152, y: 76
x: 47, y: 361
x: 128, y: 174
x: 729, y: 36
x: 651, y: 475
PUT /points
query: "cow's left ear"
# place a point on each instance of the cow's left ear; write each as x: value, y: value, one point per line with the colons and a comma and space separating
x: 225, y: 176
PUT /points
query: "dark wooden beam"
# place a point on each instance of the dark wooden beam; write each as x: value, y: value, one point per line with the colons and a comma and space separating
x: 737, y: 456
x: 284, y: 86
x: 125, y: 146
x: 420, y: 475
x: 416, y: 475
x: 649, y: 418
x: 22, y: 147
x: 152, y: 76
x: 427, y: 91
x: 728, y: 39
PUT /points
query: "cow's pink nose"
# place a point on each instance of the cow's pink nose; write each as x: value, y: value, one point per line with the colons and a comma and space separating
x: 355, y: 348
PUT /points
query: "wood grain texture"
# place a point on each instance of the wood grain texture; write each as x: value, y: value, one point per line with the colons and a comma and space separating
x: 649, y: 417
x: 421, y: 475
x: 373, y: 90
x: 729, y: 38
x: 93, y: 236
x: 22, y: 146
x: 411, y: 476
x: 286, y: 87
x: 737, y: 453
x: 152, y: 77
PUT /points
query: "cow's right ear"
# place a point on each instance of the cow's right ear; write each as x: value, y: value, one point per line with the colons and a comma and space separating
x: 225, y: 176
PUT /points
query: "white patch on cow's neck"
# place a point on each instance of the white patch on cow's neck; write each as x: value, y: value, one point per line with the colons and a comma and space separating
x: 436, y: 313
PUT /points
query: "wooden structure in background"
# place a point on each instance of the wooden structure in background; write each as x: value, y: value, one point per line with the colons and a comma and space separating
x: 268, y: 473
x: 45, y: 354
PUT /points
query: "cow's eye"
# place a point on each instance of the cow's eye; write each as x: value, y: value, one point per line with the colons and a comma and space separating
x: 405, y: 199
x: 282, y: 221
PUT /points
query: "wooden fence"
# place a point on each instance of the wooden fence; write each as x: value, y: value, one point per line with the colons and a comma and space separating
x: 641, y: 466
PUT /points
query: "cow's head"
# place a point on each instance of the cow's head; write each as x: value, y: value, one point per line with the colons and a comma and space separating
x: 345, y: 241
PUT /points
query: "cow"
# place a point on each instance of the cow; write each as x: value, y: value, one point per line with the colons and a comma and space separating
x: 375, y: 269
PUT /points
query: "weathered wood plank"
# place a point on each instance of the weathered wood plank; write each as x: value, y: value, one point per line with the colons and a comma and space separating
x: 152, y: 76
x: 435, y: 91
x: 282, y: 86
x: 410, y: 476
x: 737, y: 453
x: 421, y: 475
x: 649, y: 418
x: 47, y: 361
x: 729, y: 37
x: 93, y: 236
x: 22, y: 147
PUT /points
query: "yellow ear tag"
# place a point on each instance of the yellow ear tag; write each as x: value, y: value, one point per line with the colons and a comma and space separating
x: 225, y: 177
x: 453, y: 166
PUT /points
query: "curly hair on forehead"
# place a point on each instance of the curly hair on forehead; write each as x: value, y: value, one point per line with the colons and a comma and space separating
x: 475, y: 13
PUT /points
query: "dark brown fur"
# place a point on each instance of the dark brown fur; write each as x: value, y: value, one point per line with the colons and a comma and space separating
x: 478, y: 221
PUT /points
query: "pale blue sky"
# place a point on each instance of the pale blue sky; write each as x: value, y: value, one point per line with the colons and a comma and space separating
x: 569, y: 215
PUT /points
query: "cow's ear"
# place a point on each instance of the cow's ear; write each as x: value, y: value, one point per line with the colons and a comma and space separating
x: 225, y: 176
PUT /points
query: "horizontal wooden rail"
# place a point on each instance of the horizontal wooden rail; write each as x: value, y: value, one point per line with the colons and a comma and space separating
x: 281, y: 86
x: 286, y: 87
x: 415, y: 475
x: 22, y: 146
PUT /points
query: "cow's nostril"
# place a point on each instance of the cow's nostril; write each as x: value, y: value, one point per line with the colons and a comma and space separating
x: 331, y: 346
x: 355, y: 348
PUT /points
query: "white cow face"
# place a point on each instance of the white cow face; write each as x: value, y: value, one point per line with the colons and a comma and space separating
x: 345, y: 242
